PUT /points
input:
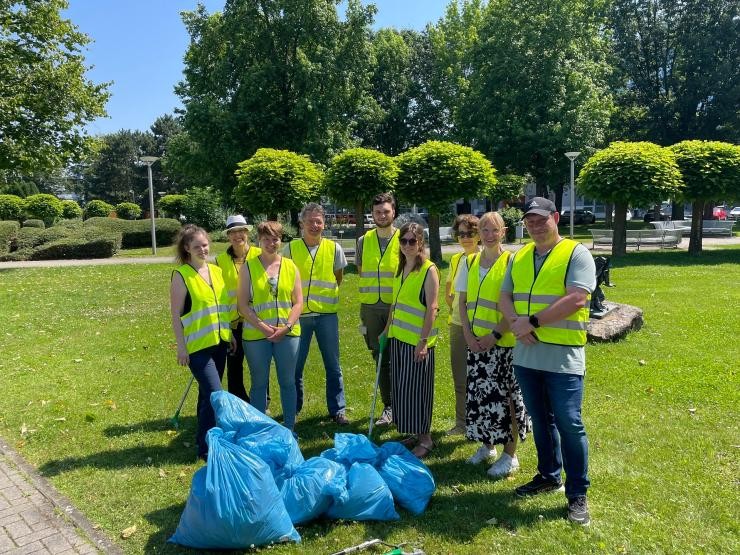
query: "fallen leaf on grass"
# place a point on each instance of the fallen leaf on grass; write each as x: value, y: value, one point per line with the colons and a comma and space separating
x: 642, y: 362
x: 111, y: 404
x: 162, y: 473
x: 24, y: 429
x: 128, y: 532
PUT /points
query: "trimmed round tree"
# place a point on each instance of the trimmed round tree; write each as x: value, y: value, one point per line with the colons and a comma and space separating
x: 625, y: 174
x: 71, y: 210
x: 172, y: 205
x: 356, y: 175
x: 128, y: 211
x: 507, y: 187
x: 437, y: 173
x: 711, y: 172
x: 43, y: 207
x: 275, y: 181
x: 97, y: 209
x: 11, y: 208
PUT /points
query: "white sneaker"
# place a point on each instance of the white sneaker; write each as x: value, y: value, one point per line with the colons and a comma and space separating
x: 504, y: 466
x: 481, y: 455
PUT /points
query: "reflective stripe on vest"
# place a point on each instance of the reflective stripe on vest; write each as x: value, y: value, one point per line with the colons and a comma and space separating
x: 207, y: 323
x: 535, y: 293
x: 230, y: 271
x: 483, y: 296
x: 274, y: 310
x: 320, y: 289
x: 408, y: 312
x: 378, y: 270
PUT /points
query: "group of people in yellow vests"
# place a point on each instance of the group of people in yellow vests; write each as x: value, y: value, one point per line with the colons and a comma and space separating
x: 517, y: 330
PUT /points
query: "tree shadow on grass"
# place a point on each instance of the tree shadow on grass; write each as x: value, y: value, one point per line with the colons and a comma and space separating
x: 713, y: 257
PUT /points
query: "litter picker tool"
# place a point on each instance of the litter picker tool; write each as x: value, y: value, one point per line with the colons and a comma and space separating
x: 383, y: 341
x: 175, y: 420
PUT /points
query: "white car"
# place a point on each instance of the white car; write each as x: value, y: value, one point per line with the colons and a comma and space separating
x: 735, y: 213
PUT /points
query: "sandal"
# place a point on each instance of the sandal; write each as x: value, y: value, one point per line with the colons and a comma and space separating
x: 425, y: 450
x: 409, y: 442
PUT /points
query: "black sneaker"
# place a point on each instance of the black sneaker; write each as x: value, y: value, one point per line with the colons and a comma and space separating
x: 578, y: 510
x: 539, y: 484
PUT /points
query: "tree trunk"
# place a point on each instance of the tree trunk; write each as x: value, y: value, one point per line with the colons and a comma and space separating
x: 608, y: 220
x: 435, y: 245
x: 559, y: 199
x: 619, y: 242
x: 677, y: 211
x: 359, y: 220
x: 707, y: 210
x: 697, y: 215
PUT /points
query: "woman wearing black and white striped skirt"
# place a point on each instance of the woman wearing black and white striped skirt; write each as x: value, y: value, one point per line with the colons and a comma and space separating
x: 412, y: 334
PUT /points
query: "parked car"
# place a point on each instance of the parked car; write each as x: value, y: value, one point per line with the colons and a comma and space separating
x: 580, y: 217
x: 650, y: 215
x: 735, y: 213
x: 719, y: 213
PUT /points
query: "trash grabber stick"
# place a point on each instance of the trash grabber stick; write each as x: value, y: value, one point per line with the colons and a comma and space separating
x: 175, y: 420
x: 382, y: 340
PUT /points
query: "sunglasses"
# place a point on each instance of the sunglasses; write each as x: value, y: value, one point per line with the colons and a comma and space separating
x: 405, y: 241
x: 466, y: 234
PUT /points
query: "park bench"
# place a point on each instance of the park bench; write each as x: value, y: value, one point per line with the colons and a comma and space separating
x: 662, y: 238
x: 684, y: 226
x: 717, y: 227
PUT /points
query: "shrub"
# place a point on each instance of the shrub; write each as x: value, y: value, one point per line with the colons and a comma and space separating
x: 202, y: 207
x: 102, y: 246
x: 172, y: 206
x: 68, y: 224
x: 43, y: 207
x: 128, y: 211
x: 512, y: 216
x: 97, y: 209
x: 71, y: 210
x: 27, y: 238
x: 11, y: 207
x: 8, y: 231
x: 138, y: 233
x: 34, y: 223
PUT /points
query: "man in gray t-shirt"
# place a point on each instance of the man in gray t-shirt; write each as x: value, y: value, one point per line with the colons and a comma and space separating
x: 545, y: 298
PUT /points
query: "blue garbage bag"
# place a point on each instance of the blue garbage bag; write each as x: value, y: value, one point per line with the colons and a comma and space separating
x: 234, y: 502
x: 258, y: 433
x: 352, y: 448
x: 368, y: 497
x: 410, y: 480
x: 310, y: 491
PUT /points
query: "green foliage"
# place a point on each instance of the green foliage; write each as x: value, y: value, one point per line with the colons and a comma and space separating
x: 34, y: 223
x: 508, y: 187
x: 70, y: 240
x: 97, y: 209
x: 202, y: 206
x: 710, y: 169
x: 71, y: 210
x: 512, y: 216
x: 99, y: 246
x: 358, y: 174
x: 8, y: 231
x: 43, y: 207
x: 137, y: 233
x: 11, y: 207
x: 631, y: 174
x: 274, y: 181
x: 436, y: 173
x: 128, y: 211
x: 45, y: 98
x: 21, y: 189
x: 172, y: 206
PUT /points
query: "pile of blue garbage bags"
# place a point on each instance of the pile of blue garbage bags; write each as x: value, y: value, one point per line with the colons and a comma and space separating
x: 257, y: 486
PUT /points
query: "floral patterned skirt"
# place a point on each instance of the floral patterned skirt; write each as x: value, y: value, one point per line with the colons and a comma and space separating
x: 492, y: 391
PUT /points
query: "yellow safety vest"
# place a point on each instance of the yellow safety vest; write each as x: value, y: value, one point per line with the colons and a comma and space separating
x: 230, y: 272
x: 207, y: 322
x: 273, y: 309
x: 408, y: 312
x: 535, y: 293
x: 483, y: 297
x: 454, y: 267
x: 320, y: 288
x: 378, y: 270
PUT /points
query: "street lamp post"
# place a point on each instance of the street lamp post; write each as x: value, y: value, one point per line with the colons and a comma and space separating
x: 149, y: 160
x: 572, y: 157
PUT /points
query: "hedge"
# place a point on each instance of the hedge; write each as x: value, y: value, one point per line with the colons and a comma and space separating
x: 8, y: 231
x: 43, y: 207
x: 103, y: 246
x: 71, y: 210
x: 11, y: 207
x: 34, y: 223
x: 62, y: 241
x: 137, y: 233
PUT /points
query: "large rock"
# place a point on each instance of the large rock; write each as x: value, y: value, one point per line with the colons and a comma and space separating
x: 621, y: 319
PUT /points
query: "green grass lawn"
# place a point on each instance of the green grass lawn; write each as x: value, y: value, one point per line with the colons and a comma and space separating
x: 90, y: 383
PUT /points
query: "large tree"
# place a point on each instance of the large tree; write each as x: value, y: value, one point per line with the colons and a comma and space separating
x: 45, y: 97
x: 679, y: 63
x: 538, y: 85
x: 285, y: 74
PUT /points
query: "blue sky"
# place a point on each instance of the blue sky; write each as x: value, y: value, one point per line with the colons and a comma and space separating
x: 139, y: 46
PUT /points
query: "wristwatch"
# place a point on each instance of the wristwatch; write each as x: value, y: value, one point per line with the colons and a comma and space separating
x: 534, y: 321
x: 290, y: 326
x: 497, y: 335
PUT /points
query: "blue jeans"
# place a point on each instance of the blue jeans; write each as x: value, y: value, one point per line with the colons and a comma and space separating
x: 207, y: 365
x: 326, y: 328
x: 553, y: 401
x: 259, y: 357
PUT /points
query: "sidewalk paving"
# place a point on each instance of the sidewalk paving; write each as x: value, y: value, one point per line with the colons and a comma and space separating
x: 36, y: 518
